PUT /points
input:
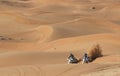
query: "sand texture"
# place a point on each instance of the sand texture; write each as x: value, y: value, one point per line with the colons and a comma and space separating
x: 37, y: 36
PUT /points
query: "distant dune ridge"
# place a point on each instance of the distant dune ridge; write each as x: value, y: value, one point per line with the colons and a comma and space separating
x: 37, y: 36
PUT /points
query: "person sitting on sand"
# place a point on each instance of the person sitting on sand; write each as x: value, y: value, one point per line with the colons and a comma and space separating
x: 72, y: 59
x: 85, y: 58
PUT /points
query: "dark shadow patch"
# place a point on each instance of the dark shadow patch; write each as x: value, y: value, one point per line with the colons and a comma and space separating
x: 93, y: 8
x: 15, y: 4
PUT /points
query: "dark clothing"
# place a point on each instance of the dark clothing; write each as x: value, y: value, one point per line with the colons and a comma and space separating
x: 86, y: 57
x: 72, y: 58
x: 71, y: 55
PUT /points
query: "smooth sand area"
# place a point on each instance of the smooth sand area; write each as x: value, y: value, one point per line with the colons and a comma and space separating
x: 37, y: 36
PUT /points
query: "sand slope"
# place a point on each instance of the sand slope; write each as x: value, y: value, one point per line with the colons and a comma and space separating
x: 36, y: 37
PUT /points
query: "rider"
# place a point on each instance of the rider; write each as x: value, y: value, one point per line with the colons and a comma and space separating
x: 71, y: 58
x: 85, y: 58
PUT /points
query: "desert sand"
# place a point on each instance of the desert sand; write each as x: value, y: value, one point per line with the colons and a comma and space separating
x: 37, y: 36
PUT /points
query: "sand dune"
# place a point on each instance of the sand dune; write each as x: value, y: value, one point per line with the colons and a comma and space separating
x: 31, y: 63
x: 84, y: 42
x: 40, y: 34
x: 36, y: 37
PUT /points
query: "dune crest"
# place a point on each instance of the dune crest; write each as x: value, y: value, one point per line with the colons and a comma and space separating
x: 37, y: 36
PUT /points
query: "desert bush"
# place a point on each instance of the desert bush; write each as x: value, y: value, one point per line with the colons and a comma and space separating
x: 95, y: 52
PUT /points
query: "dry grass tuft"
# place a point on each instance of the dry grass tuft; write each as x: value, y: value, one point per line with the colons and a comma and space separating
x: 95, y: 52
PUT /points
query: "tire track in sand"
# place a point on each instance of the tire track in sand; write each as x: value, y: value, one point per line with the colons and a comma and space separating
x: 33, y: 70
x: 67, y: 70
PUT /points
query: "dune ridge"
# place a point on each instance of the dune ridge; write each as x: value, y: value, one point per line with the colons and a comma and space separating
x: 37, y: 36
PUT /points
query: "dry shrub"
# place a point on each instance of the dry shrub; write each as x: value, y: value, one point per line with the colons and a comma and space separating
x: 95, y: 52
